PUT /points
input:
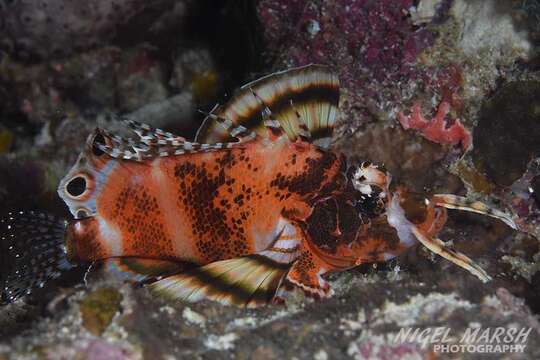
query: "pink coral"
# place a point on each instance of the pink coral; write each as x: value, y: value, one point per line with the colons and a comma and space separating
x: 436, y: 130
x: 373, y: 44
x: 357, y: 35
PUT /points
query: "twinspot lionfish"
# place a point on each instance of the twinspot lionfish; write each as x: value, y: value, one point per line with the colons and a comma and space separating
x: 257, y: 204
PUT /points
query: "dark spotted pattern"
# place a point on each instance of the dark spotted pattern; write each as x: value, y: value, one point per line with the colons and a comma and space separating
x: 218, y: 222
x: 137, y: 212
x: 312, y: 177
x: 380, y: 238
x: 303, y: 269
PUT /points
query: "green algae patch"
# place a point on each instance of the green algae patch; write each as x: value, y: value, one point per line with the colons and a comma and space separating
x: 204, y: 85
x: 6, y: 139
x: 99, y: 308
x: 473, y: 178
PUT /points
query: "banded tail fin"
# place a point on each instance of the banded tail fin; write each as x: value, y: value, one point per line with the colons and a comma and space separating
x: 249, y: 281
x: 32, y: 251
x: 303, y: 100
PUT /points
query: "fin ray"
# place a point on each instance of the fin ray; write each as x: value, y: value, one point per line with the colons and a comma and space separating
x: 32, y: 251
x: 461, y: 260
x: 154, y: 143
x: 307, y: 95
x: 462, y: 203
x: 250, y: 280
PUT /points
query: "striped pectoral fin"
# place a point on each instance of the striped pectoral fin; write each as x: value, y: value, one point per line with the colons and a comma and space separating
x: 450, y: 201
x: 246, y: 281
x: 438, y: 247
x: 142, y: 270
x: 250, y: 280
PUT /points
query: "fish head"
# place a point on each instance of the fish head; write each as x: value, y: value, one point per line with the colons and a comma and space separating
x: 81, y: 186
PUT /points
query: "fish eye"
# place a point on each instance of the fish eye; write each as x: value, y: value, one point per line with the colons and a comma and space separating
x: 76, y: 186
x: 99, y: 139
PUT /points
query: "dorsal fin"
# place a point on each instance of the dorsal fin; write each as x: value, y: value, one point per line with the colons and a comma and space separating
x: 153, y: 143
x: 150, y: 135
x: 303, y: 100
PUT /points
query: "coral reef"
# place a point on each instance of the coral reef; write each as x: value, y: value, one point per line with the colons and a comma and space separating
x: 141, y: 80
x: 365, y: 30
x: 361, y: 322
x: 372, y: 44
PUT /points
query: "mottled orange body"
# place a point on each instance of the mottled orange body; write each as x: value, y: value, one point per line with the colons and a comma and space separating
x: 260, y: 202
x: 205, y: 207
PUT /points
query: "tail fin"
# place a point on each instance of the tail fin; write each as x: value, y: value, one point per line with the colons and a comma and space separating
x: 32, y: 252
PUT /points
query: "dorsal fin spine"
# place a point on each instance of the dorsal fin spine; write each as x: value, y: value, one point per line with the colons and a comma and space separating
x: 306, y: 95
x: 155, y: 143
x: 240, y: 132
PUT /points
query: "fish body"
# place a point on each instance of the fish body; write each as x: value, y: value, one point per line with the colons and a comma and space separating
x: 258, y: 201
x: 200, y: 207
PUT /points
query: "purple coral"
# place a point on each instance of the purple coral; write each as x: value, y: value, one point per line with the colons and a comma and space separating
x: 372, y: 44
x: 373, y: 36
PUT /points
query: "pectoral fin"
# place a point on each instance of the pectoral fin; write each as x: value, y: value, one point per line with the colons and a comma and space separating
x: 450, y: 201
x: 141, y: 269
x: 438, y: 247
x: 249, y: 280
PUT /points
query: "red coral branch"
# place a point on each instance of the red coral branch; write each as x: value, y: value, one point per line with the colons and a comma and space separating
x: 436, y: 130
